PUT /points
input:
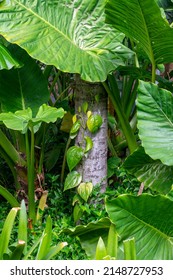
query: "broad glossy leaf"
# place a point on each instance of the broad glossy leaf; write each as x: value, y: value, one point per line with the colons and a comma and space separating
x: 7, y: 61
x: 72, y: 180
x: 70, y: 34
x: 155, y: 121
x: 89, y: 235
x: 84, y: 190
x: 74, y: 156
x: 153, y: 173
x: 147, y: 218
x: 94, y: 122
x: 48, y: 114
x: 24, y: 87
x: 142, y: 22
x: 18, y: 120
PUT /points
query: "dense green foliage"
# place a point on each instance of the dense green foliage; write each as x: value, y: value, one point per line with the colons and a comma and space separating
x: 47, y: 210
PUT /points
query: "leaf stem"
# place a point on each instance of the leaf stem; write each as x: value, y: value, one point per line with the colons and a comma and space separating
x: 128, y: 132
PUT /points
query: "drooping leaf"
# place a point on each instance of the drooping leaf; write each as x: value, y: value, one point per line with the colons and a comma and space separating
x: 72, y: 35
x: 89, y: 235
x: 74, y: 156
x: 7, y: 61
x: 147, y: 27
x: 72, y: 180
x: 26, y: 86
x: 155, y: 121
x: 153, y: 173
x: 147, y: 218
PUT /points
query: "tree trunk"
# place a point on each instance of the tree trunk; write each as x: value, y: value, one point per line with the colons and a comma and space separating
x: 93, y: 168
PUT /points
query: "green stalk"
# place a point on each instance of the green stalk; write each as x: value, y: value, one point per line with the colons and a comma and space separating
x: 128, y: 133
x: 11, y: 166
x: 30, y: 167
x: 153, y: 72
x: 64, y: 159
x: 10, y: 150
x: 42, y: 150
x: 9, y: 197
x: 129, y: 249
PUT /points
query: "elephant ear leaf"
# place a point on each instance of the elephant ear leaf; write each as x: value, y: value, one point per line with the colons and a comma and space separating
x: 26, y: 86
x: 155, y: 121
x: 148, y: 219
x: 152, y: 173
x: 72, y: 35
x: 142, y: 21
x: 7, y: 61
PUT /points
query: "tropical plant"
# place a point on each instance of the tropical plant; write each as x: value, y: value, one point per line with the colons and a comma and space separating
x: 146, y: 218
x: 93, y: 45
x: 154, y: 105
x: 19, y: 250
x: 25, y: 113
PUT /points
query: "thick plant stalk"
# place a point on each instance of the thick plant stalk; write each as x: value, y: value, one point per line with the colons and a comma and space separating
x: 128, y: 132
x: 30, y: 172
x: 93, y: 168
x: 10, y: 150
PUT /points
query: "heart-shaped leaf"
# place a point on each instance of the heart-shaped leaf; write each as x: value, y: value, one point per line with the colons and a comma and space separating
x: 147, y: 218
x: 94, y: 122
x: 155, y: 121
x: 84, y: 190
x: 72, y: 180
x: 74, y: 156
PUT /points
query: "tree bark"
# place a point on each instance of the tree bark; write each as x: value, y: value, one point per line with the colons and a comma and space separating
x: 93, y: 168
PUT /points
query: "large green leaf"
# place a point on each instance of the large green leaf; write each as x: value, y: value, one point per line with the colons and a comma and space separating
x: 155, y: 121
x: 70, y: 34
x: 7, y: 61
x: 89, y: 235
x: 142, y: 22
x: 149, y: 219
x: 153, y: 173
x: 24, y: 87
